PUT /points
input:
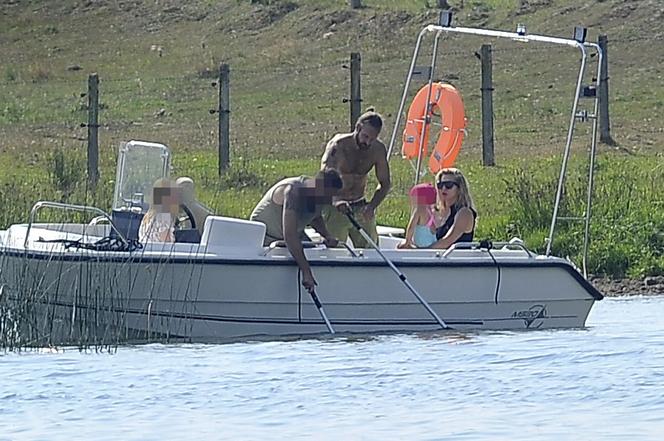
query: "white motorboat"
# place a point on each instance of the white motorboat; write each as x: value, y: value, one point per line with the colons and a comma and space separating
x: 73, y: 282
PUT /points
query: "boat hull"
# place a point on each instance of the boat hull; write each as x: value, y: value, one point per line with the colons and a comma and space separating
x: 209, y: 298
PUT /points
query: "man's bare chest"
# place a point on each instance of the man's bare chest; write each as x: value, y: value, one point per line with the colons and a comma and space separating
x: 355, y: 164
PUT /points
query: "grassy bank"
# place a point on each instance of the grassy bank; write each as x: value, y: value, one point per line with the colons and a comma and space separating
x: 515, y: 199
x: 157, y: 61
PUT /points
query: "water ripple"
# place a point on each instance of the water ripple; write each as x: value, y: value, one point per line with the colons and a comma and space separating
x: 604, y: 382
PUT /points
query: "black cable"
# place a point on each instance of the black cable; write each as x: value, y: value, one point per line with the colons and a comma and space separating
x: 488, y: 245
x: 104, y: 244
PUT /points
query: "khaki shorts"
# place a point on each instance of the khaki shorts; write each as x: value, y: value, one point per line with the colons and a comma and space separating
x: 340, y: 227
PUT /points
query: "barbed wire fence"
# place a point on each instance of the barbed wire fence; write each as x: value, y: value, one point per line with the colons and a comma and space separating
x: 269, y: 117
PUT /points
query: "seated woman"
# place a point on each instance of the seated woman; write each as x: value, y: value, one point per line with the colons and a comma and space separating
x: 456, y: 212
x: 158, y: 224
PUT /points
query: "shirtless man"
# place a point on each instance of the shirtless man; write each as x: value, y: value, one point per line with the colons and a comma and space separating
x: 353, y: 155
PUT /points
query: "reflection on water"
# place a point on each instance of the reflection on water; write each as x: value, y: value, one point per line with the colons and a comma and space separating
x: 603, y: 382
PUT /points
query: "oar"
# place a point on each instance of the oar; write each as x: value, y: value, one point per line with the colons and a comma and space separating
x: 319, y: 305
x: 402, y: 277
x: 314, y: 297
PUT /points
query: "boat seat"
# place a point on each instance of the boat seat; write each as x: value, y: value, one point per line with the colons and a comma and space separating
x: 228, y: 232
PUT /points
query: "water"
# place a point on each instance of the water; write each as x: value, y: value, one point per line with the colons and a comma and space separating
x: 604, y: 382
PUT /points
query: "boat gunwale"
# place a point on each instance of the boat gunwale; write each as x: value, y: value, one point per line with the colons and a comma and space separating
x: 454, y: 262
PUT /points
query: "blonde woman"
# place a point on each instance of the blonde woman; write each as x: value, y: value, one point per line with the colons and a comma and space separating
x: 456, y: 213
x: 158, y: 224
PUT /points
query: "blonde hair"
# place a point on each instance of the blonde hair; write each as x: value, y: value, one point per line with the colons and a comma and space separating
x: 464, y: 199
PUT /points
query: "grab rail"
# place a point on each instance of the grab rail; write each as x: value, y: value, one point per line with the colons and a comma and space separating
x: 282, y: 244
x: 48, y: 204
x: 305, y: 244
x: 517, y: 243
x: 520, y: 245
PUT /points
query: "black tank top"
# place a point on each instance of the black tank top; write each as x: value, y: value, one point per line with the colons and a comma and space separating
x: 443, y: 229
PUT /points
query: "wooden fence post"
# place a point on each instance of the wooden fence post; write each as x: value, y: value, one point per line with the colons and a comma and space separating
x: 355, y: 88
x: 355, y: 4
x: 604, y: 123
x: 488, y: 158
x: 224, y: 117
x: 93, y: 129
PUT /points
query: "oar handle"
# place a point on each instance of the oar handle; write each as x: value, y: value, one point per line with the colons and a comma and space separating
x: 319, y: 305
x: 315, y: 299
x: 353, y: 220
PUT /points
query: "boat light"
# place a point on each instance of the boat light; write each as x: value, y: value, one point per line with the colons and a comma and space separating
x: 580, y: 33
x: 521, y: 29
x: 445, y: 19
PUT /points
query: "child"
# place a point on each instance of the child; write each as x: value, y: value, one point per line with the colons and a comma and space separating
x: 158, y: 224
x: 421, y: 231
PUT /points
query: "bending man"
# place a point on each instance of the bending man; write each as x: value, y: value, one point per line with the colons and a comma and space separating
x: 353, y: 155
x: 292, y: 204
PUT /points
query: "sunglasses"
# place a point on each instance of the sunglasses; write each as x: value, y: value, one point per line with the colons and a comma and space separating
x: 446, y: 184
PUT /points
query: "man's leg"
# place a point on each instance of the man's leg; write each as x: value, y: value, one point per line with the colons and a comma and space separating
x: 337, y: 223
x: 368, y: 226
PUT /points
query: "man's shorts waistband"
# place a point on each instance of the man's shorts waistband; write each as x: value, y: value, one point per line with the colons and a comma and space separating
x: 357, y: 202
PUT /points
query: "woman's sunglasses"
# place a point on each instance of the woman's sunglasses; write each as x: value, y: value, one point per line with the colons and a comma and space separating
x: 446, y: 184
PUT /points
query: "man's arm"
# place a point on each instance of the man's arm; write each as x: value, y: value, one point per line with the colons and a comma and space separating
x: 292, y: 237
x: 331, y: 156
x: 383, y: 175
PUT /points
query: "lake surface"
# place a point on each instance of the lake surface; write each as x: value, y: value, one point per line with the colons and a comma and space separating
x: 603, y: 382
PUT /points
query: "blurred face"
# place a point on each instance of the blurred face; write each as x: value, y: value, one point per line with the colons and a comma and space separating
x: 167, y: 199
x: 324, y: 193
x: 365, y: 135
x: 448, y: 188
x: 416, y: 201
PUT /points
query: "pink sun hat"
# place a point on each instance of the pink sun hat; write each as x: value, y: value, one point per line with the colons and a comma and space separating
x: 425, y: 193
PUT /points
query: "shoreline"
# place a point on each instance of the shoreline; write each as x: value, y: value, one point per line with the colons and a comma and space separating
x: 610, y: 287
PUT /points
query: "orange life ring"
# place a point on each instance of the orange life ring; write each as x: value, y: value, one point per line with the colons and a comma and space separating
x: 447, y: 100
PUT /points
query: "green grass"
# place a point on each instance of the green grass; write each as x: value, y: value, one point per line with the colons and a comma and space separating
x: 515, y: 199
x: 287, y: 81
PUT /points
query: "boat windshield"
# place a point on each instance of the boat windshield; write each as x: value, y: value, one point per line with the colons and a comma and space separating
x: 140, y: 164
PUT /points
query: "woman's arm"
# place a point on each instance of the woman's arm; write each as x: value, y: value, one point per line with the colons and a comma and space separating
x: 463, y: 223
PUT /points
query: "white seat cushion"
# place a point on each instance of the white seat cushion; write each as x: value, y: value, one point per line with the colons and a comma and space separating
x: 228, y: 232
